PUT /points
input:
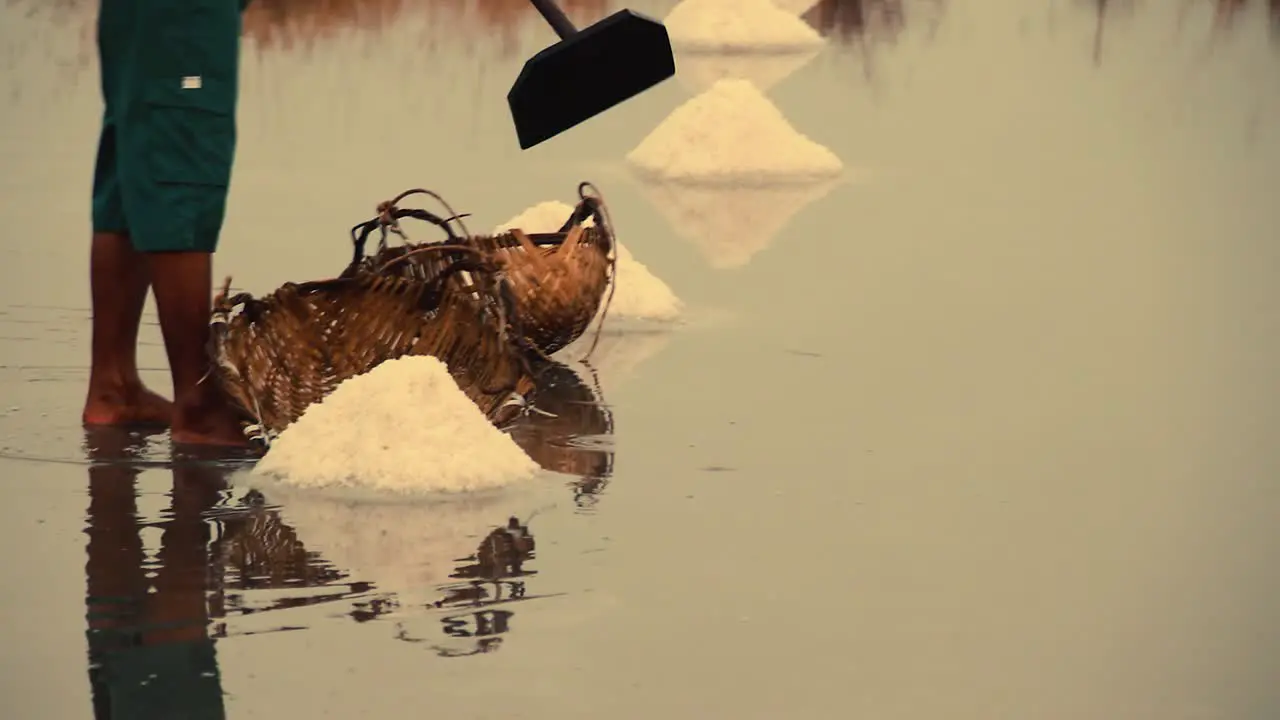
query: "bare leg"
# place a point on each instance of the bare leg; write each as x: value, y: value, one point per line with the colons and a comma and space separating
x: 119, y: 280
x: 183, y: 285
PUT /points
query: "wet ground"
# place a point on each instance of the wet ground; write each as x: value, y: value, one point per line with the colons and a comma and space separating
x: 985, y: 430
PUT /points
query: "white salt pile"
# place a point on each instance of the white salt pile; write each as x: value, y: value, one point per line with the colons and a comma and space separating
x: 737, y: 26
x: 731, y: 134
x: 639, y: 293
x: 404, y: 427
x: 544, y: 217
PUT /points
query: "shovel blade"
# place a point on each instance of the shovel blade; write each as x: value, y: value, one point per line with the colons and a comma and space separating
x: 589, y: 72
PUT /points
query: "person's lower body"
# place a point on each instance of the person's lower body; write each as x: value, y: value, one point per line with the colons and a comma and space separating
x: 159, y: 198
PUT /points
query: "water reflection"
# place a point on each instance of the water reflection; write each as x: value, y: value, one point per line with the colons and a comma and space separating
x: 737, y: 210
x: 1227, y: 14
x: 151, y: 654
x: 256, y: 553
x: 852, y: 21
x: 570, y: 430
x: 228, y: 567
x: 415, y: 554
x: 730, y: 224
x: 700, y: 70
x: 263, y: 551
x: 290, y: 24
x: 494, y: 575
x: 618, y: 354
x: 1223, y: 17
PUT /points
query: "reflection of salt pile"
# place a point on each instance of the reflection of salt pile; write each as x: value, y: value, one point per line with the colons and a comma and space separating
x: 640, y: 294
x: 404, y: 426
x: 731, y: 224
x: 618, y: 354
x: 731, y: 134
x: 699, y: 70
x: 407, y: 548
x: 737, y: 26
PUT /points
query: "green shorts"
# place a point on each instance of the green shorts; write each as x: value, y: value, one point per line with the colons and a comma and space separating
x: 170, y: 74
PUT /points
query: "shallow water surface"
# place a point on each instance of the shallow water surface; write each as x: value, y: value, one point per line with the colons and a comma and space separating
x: 984, y: 429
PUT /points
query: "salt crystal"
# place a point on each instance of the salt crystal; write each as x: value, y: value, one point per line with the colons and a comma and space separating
x: 639, y: 294
x: 731, y: 134
x: 404, y: 427
x: 737, y: 26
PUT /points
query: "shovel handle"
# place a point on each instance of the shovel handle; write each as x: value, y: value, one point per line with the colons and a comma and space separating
x: 555, y: 17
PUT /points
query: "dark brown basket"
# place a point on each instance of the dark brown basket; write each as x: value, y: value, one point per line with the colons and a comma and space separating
x: 274, y: 356
x: 557, y: 280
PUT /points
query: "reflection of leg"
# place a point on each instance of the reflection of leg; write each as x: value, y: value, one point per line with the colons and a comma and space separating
x: 117, y: 586
x: 171, y: 669
x: 177, y: 610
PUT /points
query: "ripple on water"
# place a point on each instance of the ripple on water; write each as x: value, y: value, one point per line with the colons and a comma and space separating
x: 447, y: 575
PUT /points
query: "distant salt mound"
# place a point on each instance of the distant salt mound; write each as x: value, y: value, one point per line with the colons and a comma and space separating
x: 640, y: 294
x: 403, y: 427
x: 732, y: 134
x: 737, y: 26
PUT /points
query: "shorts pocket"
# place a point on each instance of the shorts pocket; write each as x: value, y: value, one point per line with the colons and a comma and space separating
x: 190, y: 130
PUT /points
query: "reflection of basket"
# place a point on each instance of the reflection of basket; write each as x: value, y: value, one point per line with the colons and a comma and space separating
x: 279, y: 354
x: 259, y: 550
x: 567, y: 409
x: 502, y: 554
x: 557, y: 280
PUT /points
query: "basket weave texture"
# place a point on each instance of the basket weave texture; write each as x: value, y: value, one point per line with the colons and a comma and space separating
x: 557, y: 280
x: 276, y: 355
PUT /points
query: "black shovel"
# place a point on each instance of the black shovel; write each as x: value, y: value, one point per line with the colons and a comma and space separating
x: 587, y: 72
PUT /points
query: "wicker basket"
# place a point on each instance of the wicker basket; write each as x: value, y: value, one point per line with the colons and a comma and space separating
x: 274, y: 356
x: 557, y: 280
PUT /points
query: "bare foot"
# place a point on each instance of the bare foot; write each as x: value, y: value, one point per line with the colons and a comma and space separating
x: 207, y: 420
x: 125, y: 404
